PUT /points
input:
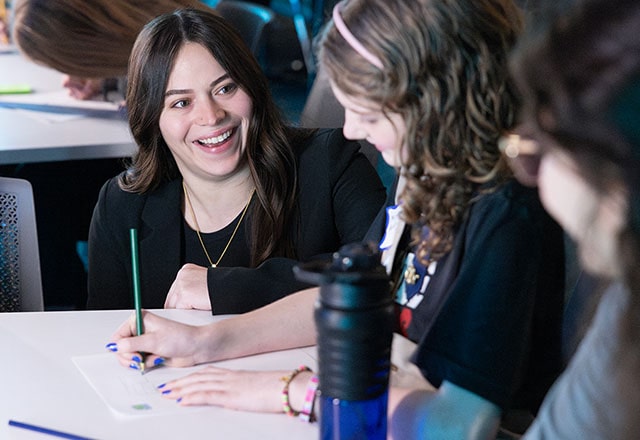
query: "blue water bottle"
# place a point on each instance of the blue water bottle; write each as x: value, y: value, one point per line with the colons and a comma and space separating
x: 354, y: 319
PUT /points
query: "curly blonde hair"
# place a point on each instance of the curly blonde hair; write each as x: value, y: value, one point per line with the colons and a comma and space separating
x: 445, y: 71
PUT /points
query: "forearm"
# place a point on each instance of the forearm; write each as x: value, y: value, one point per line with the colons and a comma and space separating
x: 448, y: 413
x: 286, y: 323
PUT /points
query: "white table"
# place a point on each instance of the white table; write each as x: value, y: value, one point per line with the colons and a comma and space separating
x: 41, y: 385
x: 27, y: 139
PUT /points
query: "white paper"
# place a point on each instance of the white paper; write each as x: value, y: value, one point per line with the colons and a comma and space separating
x: 128, y: 393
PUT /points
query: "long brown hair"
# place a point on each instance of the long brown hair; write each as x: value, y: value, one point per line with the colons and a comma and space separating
x: 269, y: 150
x: 91, y: 39
x: 445, y: 71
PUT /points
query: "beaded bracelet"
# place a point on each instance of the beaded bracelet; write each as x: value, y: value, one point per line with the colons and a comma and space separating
x: 286, y: 406
x: 306, y: 415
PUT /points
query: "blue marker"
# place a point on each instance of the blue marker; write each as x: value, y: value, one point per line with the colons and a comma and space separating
x: 47, y: 431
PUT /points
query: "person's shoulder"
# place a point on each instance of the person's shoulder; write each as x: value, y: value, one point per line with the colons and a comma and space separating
x: 111, y: 187
x: 510, y: 203
x: 510, y: 195
x: 113, y: 190
x: 328, y: 145
x: 314, y: 139
x: 114, y: 193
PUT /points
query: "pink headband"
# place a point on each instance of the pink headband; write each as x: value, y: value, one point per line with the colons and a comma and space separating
x: 351, y: 39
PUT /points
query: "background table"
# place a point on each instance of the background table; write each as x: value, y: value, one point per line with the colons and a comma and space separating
x: 41, y: 385
x: 27, y: 139
x: 66, y: 160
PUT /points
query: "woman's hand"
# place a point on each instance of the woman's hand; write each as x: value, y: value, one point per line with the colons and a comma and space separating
x: 82, y: 88
x: 189, y: 290
x: 177, y: 344
x: 259, y: 391
x: 4, y: 32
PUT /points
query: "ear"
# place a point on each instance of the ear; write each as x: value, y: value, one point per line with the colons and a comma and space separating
x: 614, y: 208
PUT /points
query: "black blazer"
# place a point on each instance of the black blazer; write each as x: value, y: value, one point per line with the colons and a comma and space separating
x: 339, y: 196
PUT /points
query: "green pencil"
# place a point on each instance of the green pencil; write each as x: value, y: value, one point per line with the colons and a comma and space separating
x: 133, y: 235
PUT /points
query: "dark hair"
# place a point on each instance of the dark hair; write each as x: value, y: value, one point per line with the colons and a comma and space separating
x: 580, y: 78
x: 269, y: 152
x: 445, y: 71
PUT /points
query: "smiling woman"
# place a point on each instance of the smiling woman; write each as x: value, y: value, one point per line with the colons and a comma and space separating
x: 226, y: 197
x: 204, y: 123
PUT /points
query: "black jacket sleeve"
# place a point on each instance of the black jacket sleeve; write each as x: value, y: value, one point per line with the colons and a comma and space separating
x: 109, y: 277
x: 157, y: 217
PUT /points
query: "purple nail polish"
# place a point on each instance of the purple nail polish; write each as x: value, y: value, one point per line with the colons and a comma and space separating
x: 112, y: 346
x: 136, y: 358
x: 166, y: 391
x: 179, y: 400
x: 158, y: 361
x: 161, y: 385
x: 134, y: 366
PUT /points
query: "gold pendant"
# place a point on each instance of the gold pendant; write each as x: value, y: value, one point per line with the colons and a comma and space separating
x: 410, y: 274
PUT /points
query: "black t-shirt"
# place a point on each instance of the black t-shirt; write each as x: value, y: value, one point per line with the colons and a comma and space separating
x: 487, y: 316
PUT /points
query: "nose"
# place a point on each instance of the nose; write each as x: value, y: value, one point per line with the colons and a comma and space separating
x: 352, y: 128
x: 209, y: 112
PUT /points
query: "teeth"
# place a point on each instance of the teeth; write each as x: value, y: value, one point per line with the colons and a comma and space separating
x: 217, y: 139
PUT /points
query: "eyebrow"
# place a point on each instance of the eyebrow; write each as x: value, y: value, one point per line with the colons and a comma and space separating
x: 183, y: 91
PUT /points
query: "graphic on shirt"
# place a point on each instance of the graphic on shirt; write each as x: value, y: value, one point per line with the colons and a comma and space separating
x: 415, y: 276
x: 412, y: 288
x: 415, y: 280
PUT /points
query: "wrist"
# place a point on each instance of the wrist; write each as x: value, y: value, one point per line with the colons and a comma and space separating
x: 208, y: 342
x: 299, y: 394
x: 298, y: 388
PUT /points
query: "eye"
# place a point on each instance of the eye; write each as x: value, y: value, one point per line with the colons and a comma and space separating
x: 180, y: 103
x: 227, y: 89
x: 369, y: 119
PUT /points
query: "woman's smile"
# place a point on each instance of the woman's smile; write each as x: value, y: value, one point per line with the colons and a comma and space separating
x: 214, y: 141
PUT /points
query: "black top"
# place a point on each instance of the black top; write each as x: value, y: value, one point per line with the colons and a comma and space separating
x: 339, y: 195
x: 488, y: 316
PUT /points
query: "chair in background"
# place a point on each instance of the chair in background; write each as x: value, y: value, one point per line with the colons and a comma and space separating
x: 271, y: 36
x: 20, y: 280
x: 309, y: 16
x: 251, y: 20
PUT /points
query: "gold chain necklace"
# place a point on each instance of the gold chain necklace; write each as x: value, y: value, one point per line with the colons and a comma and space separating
x: 195, y: 220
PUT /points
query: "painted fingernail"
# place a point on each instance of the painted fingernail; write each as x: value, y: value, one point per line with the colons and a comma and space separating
x: 134, y: 366
x: 136, y: 358
x: 161, y: 385
x: 179, y: 400
x: 112, y: 346
x: 166, y: 391
x: 158, y: 361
